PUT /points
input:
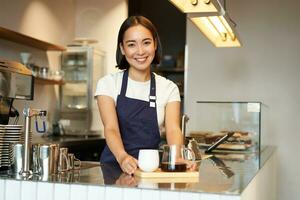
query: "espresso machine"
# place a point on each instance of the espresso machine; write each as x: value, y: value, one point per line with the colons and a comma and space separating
x: 16, y: 82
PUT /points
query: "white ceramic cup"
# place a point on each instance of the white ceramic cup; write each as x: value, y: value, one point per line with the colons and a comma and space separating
x: 148, y: 160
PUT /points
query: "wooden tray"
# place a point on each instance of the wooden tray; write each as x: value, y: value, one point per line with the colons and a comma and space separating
x: 160, y: 174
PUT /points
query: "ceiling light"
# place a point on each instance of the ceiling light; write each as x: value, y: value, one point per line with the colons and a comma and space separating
x: 198, y: 6
x: 211, y: 19
x: 220, y: 29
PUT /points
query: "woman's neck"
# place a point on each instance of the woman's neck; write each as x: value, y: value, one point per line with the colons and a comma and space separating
x: 137, y: 75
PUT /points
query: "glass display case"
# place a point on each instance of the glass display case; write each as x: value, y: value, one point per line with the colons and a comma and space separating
x: 83, y: 66
x: 216, y: 119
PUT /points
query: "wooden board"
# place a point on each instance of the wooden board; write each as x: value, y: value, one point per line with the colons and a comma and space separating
x: 160, y: 174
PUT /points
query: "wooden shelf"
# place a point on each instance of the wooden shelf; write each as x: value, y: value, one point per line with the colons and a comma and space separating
x: 29, y: 41
x: 44, y: 81
x: 168, y: 69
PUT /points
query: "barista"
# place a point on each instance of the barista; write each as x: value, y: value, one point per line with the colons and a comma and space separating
x: 134, y: 103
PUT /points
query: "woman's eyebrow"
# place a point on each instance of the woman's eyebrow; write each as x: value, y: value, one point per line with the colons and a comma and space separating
x: 127, y: 41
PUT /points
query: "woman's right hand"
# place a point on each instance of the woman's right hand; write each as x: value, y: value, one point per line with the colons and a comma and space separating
x: 126, y: 180
x: 128, y: 164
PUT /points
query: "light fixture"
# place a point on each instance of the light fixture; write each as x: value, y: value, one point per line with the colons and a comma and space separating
x: 206, y: 7
x: 211, y: 19
x: 220, y: 29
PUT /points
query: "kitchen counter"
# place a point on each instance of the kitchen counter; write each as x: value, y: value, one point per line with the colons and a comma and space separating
x: 87, y: 148
x: 223, y: 177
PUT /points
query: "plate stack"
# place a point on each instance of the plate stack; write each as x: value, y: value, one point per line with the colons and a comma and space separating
x: 9, y: 134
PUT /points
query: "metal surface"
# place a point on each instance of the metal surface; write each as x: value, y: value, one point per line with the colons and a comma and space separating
x: 184, y: 120
x: 211, y: 178
x: 27, y: 143
x: 16, y: 81
x: 18, y: 158
x: 29, y: 113
x: 63, y: 163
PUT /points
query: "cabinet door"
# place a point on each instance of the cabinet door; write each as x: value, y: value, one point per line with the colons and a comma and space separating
x: 74, y: 92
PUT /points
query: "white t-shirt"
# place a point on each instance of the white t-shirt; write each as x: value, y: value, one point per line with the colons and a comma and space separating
x: 166, y: 91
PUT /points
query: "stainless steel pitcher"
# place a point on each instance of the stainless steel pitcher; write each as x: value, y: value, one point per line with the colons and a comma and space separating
x: 63, y: 163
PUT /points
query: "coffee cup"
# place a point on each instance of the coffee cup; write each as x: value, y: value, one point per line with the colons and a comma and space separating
x: 148, y: 160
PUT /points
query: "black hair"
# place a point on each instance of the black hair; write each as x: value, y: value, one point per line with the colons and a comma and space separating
x: 134, y: 21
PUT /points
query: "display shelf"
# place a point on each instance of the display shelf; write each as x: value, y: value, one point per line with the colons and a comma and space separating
x: 29, y: 41
x: 46, y: 81
x: 168, y: 69
x: 175, y: 74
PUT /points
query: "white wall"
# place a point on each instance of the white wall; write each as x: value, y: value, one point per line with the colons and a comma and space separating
x: 101, y: 20
x: 51, y: 21
x: 265, y: 69
x: 59, y: 22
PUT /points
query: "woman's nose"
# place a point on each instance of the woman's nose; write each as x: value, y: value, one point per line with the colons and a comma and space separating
x: 140, y: 49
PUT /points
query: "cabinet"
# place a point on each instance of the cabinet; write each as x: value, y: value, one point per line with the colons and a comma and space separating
x: 215, y: 119
x: 83, y: 67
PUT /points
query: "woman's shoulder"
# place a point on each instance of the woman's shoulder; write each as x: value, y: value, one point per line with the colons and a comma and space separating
x: 112, y: 77
x: 163, y: 81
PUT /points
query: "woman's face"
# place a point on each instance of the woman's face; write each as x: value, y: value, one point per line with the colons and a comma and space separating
x: 138, y: 47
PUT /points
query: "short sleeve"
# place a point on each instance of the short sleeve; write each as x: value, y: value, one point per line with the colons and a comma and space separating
x: 174, y: 93
x: 106, y: 86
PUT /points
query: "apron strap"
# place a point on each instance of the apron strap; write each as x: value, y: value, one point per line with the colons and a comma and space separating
x: 124, y: 83
x: 152, y: 96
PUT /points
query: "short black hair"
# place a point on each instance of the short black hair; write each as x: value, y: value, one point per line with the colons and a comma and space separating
x: 134, y: 21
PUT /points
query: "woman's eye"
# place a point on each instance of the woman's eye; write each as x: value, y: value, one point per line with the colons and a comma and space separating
x: 130, y: 45
x: 147, y: 42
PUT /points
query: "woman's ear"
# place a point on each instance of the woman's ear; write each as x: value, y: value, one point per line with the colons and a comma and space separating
x: 122, y: 49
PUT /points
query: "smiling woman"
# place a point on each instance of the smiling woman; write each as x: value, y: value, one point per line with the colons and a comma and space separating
x: 135, y: 104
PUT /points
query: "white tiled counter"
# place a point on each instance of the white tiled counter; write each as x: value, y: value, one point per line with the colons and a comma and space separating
x: 254, y: 178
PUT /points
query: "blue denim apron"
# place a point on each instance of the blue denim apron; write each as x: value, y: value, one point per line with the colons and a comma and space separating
x: 137, y: 122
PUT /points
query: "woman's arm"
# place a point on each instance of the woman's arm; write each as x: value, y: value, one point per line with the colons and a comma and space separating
x: 112, y: 134
x: 172, y: 123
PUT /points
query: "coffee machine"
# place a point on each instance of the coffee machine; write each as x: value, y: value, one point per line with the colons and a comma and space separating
x: 16, y: 82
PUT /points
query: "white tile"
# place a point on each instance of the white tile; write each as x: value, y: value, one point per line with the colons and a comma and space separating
x: 96, y: 192
x: 28, y: 190
x: 2, y: 188
x: 61, y: 191
x: 45, y: 191
x: 12, y: 190
x: 150, y: 194
x: 169, y: 195
x: 230, y: 197
x: 113, y: 193
x: 204, y: 196
x: 131, y: 194
x: 78, y: 192
x: 189, y: 196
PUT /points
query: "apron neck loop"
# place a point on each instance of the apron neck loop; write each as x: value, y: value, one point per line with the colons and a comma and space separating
x: 152, y: 94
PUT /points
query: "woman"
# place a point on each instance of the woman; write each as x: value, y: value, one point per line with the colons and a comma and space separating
x: 136, y: 104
